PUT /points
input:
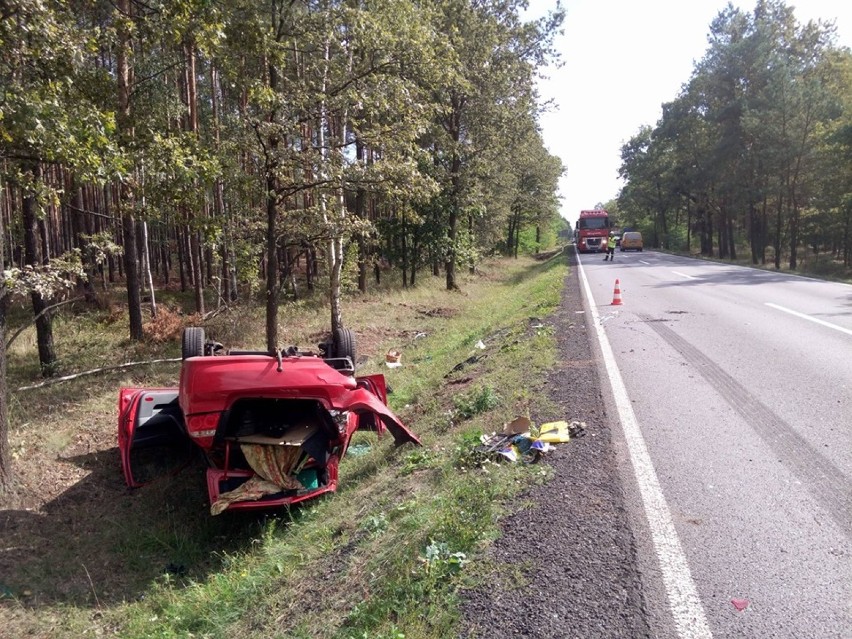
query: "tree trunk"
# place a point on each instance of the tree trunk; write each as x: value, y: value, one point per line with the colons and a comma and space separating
x: 191, y: 126
x: 361, y: 213
x: 794, y: 238
x: 403, y: 245
x: 85, y: 285
x: 778, y: 229
x: 471, y: 232
x: 125, y: 195
x: 6, y: 475
x: 146, y: 268
x: 415, y: 256
x: 362, y: 264
x: 272, y: 260
x: 455, y: 197
x: 688, y: 226
x: 32, y: 256
x: 732, y: 248
x: 182, y: 259
x: 196, y: 260
x: 510, y: 234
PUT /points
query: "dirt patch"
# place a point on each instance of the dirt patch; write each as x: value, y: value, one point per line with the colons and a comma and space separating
x: 438, y: 312
x: 565, y: 564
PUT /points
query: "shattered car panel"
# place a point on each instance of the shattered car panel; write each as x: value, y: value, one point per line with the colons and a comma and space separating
x: 272, y: 427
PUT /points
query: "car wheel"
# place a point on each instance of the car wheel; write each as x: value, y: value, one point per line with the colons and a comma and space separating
x: 640, y: 250
x: 344, y: 344
x: 192, y: 342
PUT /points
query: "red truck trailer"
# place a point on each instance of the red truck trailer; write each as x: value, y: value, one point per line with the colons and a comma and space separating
x: 592, y: 231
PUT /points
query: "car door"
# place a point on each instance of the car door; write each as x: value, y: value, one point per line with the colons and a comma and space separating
x: 152, y: 438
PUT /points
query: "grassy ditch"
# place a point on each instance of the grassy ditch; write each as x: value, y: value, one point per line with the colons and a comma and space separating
x: 381, y: 558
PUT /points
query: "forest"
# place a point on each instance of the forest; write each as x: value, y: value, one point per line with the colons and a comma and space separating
x: 247, y: 151
x: 753, y: 159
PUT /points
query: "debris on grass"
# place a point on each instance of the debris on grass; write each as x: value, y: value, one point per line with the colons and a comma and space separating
x: 520, y: 440
x: 393, y: 359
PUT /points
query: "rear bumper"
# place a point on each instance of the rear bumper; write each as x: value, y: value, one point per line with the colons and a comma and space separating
x: 220, y: 481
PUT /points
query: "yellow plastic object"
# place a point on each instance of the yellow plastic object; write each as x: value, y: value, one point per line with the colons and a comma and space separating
x: 554, y: 433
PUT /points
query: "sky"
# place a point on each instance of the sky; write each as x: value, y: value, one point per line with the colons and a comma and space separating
x: 622, y: 59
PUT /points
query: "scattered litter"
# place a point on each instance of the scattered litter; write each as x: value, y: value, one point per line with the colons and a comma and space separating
x: 517, y: 426
x: 392, y: 359
x: 740, y: 604
x: 536, y: 323
x: 579, y: 312
x: 561, y: 431
x: 419, y: 335
x: 520, y: 440
x: 554, y: 433
x: 509, y: 453
x: 542, y: 447
x: 480, y: 345
x: 606, y: 318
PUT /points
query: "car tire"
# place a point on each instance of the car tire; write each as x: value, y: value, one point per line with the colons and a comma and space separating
x: 192, y: 342
x: 344, y: 344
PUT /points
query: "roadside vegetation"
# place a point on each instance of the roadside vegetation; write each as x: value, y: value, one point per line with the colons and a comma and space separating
x: 752, y: 161
x: 382, y: 558
x: 236, y: 147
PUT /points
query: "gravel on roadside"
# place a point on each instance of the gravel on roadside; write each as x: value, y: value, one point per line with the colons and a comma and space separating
x: 565, y: 565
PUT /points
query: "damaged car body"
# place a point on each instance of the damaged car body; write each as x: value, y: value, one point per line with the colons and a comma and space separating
x: 273, y: 426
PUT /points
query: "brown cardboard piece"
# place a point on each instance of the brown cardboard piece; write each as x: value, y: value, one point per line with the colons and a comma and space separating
x: 296, y: 435
x: 517, y: 426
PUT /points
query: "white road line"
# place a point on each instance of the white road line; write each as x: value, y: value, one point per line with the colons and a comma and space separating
x: 687, y: 610
x: 689, y: 277
x: 809, y: 318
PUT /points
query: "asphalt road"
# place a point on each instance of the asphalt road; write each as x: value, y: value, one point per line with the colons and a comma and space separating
x: 734, y: 395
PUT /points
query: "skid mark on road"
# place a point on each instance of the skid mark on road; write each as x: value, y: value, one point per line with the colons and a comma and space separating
x: 827, y: 484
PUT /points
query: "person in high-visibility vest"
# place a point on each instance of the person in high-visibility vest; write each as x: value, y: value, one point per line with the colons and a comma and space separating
x: 610, y: 248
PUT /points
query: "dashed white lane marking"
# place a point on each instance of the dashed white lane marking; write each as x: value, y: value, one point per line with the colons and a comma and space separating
x: 689, y: 277
x: 687, y: 610
x: 809, y: 318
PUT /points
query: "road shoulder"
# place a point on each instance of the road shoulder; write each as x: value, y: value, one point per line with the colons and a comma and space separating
x: 565, y: 564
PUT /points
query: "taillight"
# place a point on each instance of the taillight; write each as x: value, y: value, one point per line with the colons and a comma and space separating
x: 203, y: 425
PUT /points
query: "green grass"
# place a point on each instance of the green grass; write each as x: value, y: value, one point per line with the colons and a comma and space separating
x: 385, y: 556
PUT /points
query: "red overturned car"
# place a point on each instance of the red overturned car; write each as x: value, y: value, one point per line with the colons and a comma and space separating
x: 273, y: 426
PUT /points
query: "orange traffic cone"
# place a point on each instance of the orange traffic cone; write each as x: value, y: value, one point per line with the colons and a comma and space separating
x: 616, y: 295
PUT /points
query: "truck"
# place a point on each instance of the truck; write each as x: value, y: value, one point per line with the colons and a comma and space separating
x: 592, y: 230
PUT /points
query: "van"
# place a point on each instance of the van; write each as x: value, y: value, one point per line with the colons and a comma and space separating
x: 631, y: 241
